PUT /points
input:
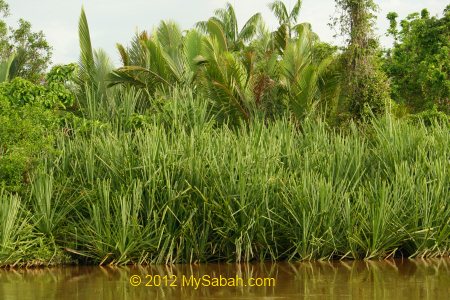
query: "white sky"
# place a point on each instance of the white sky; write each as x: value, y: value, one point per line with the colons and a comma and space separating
x: 113, y: 21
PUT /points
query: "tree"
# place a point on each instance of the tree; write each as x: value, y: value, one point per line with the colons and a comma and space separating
x: 31, y: 49
x: 285, y: 18
x: 365, y: 85
x: 94, y: 65
x: 419, y: 62
x: 161, y: 61
x: 226, y: 20
x: 29, y: 117
x: 4, y: 12
x: 303, y: 75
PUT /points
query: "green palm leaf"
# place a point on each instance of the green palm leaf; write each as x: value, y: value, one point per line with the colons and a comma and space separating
x: 193, y: 45
x: 295, y: 11
x: 216, y: 31
x: 250, y: 28
x: 5, y: 67
x: 123, y: 54
x: 86, y: 55
x: 280, y: 11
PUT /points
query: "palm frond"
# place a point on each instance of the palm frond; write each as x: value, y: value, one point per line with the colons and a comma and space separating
x: 250, y: 28
x: 231, y: 22
x: 226, y: 82
x: 295, y: 11
x: 18, y: 62
x: 103, y: 66
x: 193, y: 44
x: 168, y: 34
x: 86, y: 55
x: 216, y: 32
x: 123, y: 54
x: 281, y: 38
x: 170, y: 40
x: 122, y: 76
x: 5, y: 67
x: 202, y: 26
x: 136, y: 51
x: 280, y: 11
x: 305, y: 29
x: 155, y: 59
x: 227, y: 18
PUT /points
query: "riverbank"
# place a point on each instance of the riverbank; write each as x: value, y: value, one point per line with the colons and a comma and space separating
x: 184, y: 189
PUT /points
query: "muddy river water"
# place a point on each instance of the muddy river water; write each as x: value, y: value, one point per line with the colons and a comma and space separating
x: 392, y: 279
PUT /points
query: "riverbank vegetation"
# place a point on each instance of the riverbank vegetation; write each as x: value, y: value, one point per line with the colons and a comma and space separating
x: 229, y: 143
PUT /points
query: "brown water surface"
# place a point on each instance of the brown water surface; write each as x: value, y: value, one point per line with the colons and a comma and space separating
x: 400, y: 279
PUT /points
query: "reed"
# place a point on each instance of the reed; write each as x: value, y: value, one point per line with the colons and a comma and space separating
x: 183, y: 188
x: 17, y: 239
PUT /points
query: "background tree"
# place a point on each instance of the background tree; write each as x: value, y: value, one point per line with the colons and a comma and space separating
x: 286, y: 18
x: 365, y: 85
x: 288, y: 27
x: 226, y: 20
x: 4, y: 12
x: 419, y: 63
x: 31, y: 50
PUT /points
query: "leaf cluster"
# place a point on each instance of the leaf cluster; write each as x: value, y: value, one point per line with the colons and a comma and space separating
x: 419, y: 62
x: 33, y: 52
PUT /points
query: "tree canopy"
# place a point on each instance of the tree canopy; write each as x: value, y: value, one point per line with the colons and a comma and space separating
x: 419, y: 62
x: 31, y: 50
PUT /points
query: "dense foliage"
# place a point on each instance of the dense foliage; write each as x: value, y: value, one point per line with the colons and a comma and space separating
x: 25, y: 132
x: 227, y: 143
x: 29, y: 121
x: 419, y: 63
x: 243, y: 72
x: 31, y: 51
x: 183, y: 189
x: 365, y: 85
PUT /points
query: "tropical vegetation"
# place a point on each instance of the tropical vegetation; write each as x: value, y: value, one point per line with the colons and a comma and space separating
x: 229, y: 143
x: 419, y: 62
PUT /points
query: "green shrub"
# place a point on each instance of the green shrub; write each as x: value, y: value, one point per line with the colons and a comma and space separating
x: 25, y: 132
x: 430, y: 116
x: 20, y: 92
x: 54, y: 93
x: 419, y: 62
x: 29, y: 118
x: 60, y: 84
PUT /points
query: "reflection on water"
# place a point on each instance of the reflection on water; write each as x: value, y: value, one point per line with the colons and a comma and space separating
x: 407, y: 279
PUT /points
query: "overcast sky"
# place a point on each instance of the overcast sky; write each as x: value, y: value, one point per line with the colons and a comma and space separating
x: 113, y: 21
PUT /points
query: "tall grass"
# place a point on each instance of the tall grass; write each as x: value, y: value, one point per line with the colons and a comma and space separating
x: 50, y: 204
x: 182, y: 188
x: 17, y: 238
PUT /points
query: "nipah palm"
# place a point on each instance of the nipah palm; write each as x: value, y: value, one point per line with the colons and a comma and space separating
x: 159, y: 62
x: 134, y: 55
x: 289, y: 19
x: 226, y: 81
x: 303, y: 79
x: 11, y: 66
x: 95, y: 65
x: 5, y: 69
x: 226, y: 19
x: 287, y: 23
